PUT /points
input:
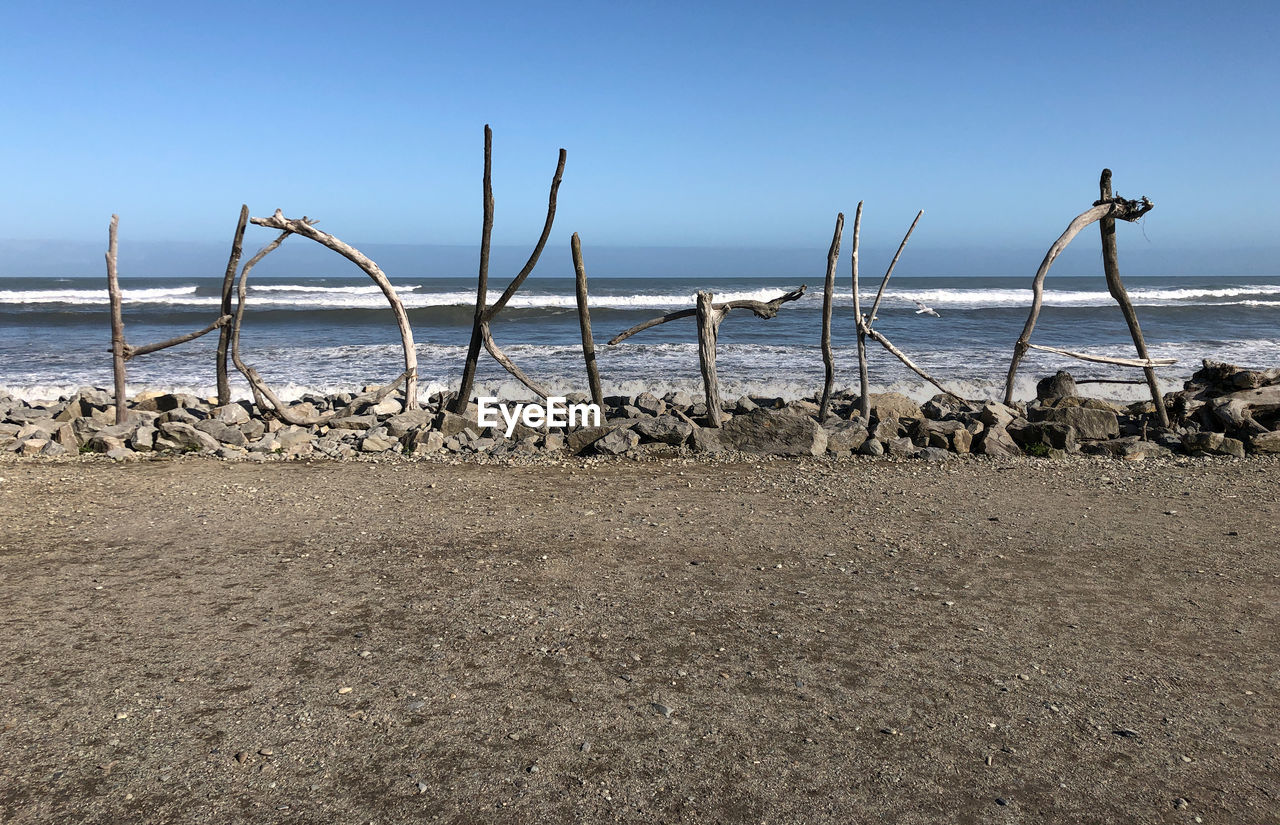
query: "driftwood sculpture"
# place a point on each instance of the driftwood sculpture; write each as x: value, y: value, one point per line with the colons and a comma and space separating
x: 228, y: 281
x: 864, y: 322
x: 305, y: 227
x: 584, y: 321
x: 709, y: 316
x: 1107, y: 210
x: 121, y: 351
x: 481, y: 334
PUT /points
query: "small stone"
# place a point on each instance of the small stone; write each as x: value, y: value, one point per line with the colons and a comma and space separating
x: 513, y: 736
x: 342, y: 691
x: 1000, y: 800
x: 585, y: 747
x: 1180, y: 804
x: 122, y: 715
x: 242, y: 756
x: 266, y: 752
x: 534, y: 769
x: 661, y: 708
x: 422, y: 788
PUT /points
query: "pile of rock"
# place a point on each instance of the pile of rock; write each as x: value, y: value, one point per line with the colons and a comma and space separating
x: 1224, y: 410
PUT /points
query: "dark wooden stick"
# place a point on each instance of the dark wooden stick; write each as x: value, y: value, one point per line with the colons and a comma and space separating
x: 1116, y: 208
x: 901, y: 356
x: 228, y: 281
x: 761, y: 309
x: 133, y: 352
x: 117, y: 319
x: 880, y: 293
x: 828, y: 292
x: 708, y: 326
x: 584, y: 321
x: 864, y: 383
x: 517, y: 281
x: 1111, y: 266
x: 482, y: 282
x: 305, y: 227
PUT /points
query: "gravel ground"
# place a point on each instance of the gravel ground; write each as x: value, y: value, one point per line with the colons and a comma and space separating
x: 678, y: 641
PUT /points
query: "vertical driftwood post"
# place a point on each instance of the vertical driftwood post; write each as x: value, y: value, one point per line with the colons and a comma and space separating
x: 482, y: 287
x: 864, y: 399
x: 228, y: 282
x: 584, y: 321
x: 828, y: 292
x: 708, y: 324
x: 117, y: 319
x: 1111, y: 266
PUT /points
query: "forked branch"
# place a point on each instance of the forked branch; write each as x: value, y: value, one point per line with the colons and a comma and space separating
x: 762, y: 309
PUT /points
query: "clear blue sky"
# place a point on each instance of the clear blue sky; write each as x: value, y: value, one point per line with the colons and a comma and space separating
x: 707, y: 124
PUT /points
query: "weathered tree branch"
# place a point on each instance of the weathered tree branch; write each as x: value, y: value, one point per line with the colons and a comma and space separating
x: 709, y: 318
x: 117, y: 319
x: 762, y: 309
x: 480, y: 331
x: 828, y: 293
x: 1117, y: 208
x: 1111, y: 267
x: 901, y: 356
x: 228, y: 281
x: 1145, y: 363
x: 306, y: 229
x: 584, y: 321
x: 880, y: 292
x: 133, y: 352
x: 864, y: 400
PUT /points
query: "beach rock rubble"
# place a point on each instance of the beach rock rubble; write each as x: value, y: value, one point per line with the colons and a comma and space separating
x: 1223, y: 410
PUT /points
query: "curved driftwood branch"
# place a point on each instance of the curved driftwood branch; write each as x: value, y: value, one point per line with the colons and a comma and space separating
x: 228, y: 282
x: 1145, y: 363
x: 118, y: 345
x: 828, y: 293
x: 884, y: 283
x: 584, y: 321
x: 261, y: 392
x: 864, y: 400
x: 134, y: 352
x: 901, y: 356
x: 305, y: 228
x: 519, y: 280
x: 762, y: 309
x: 507, y: 364
x: 1074, y: 228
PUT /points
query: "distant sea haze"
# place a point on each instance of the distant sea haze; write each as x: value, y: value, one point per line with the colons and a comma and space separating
x: 325, y: 333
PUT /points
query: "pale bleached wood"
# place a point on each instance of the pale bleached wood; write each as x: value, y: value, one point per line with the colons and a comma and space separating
x: 761, y: 309
x: 228, y: 282
x: 133, y: 352
x: 117, y: 319
x: 507, y: 364
x: 1123, y: 210
x: 828, y: 293
x: 888, y: 272
x: 584, y: 321
x: 708, y: 327
x: 263, y: 395
x: 306, y: 228
x: 1111, y: 268
x: 901, y: 356
x: 864, y: 382
x: 1145, y: 363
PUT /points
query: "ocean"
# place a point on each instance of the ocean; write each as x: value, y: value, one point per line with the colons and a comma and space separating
x: 328, y: 334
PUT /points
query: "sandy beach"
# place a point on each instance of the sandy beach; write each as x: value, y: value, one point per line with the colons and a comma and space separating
x: 191, y: 640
